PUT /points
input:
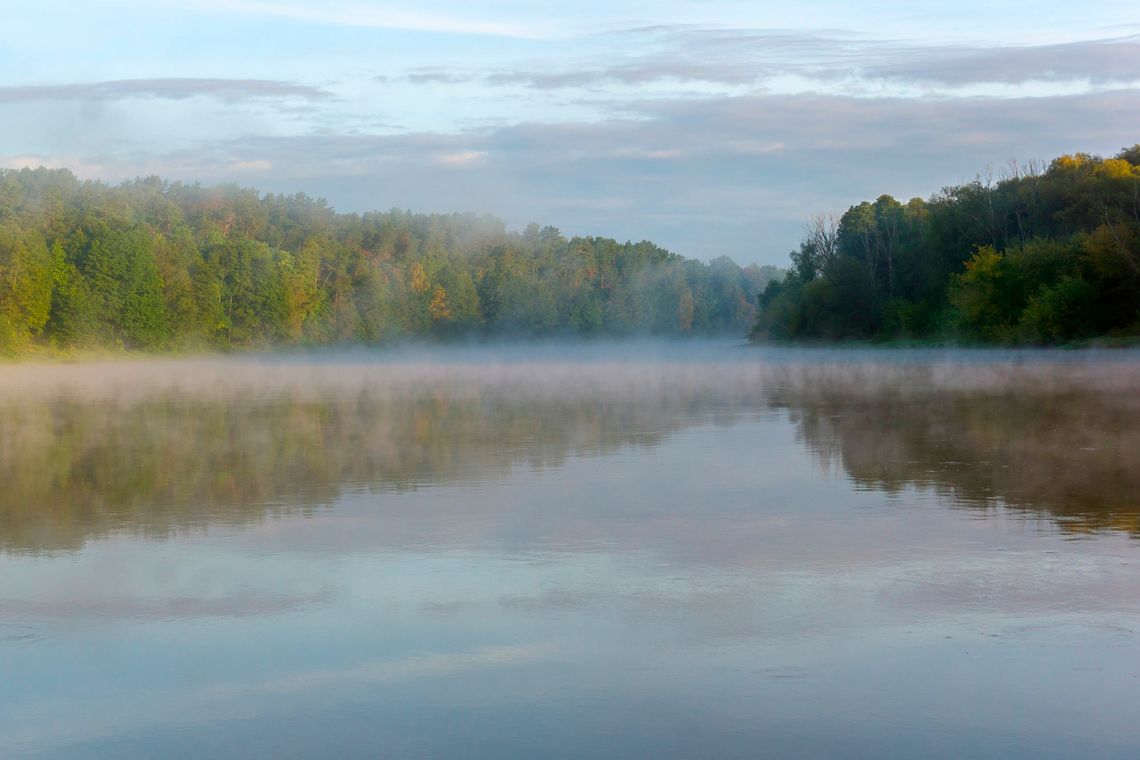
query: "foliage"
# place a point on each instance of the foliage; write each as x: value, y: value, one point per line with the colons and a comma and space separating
x: 153, y: 266
x: 1042, y: 255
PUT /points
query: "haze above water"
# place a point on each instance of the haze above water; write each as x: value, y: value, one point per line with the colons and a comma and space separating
x: 591, y: 550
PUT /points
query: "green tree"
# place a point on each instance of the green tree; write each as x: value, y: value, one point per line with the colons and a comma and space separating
x: 25, y: 283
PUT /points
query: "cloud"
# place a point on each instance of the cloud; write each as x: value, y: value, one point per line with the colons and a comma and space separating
x: 463, y: 159
x: 225, y: 90
x: 368, y: 16
x: 439, y: 76
x: 828, y: 63
x: 254, y: 166
x: 81, y: 166
x: 1098, y: 61
x: 661, y: 154
x: 680, y: 54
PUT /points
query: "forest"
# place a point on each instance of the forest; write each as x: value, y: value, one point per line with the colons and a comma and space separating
x: 156, y: 266
x: 1041, y: 254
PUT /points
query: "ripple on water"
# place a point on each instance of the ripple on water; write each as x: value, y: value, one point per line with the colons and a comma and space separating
x: 17, y: 633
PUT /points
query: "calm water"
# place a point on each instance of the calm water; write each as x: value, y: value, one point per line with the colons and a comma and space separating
x: 608, y: 551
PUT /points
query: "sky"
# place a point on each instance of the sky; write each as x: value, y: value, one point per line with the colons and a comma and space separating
x: 711, y: 128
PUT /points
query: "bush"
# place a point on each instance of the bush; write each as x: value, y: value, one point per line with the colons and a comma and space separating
x: 9, y: 339
x: 1062, y: 312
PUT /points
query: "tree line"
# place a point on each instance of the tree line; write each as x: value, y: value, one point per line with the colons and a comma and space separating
x: 1041, y: 254
x: 153, y: 265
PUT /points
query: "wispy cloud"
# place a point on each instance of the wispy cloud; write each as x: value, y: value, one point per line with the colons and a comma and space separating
x: 679, y: 54
x: 439, y: 76
x: 369, y: 16
x: 253, y: 166
x: 1098, y: 61
x: 822, y: 63
x: 225, y: 90
x: 463, y: 159
x: 80, y: 165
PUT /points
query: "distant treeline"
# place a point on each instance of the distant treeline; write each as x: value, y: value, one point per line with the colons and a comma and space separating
x: 152, y: 265
x: 1041, y: 255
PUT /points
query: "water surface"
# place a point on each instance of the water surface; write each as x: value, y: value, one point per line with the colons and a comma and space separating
x: 612, y: 550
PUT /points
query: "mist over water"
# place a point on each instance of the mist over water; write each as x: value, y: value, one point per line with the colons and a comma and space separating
x: 669, y: 548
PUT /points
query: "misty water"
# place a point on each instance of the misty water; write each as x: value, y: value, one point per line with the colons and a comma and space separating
x: 655, y: 550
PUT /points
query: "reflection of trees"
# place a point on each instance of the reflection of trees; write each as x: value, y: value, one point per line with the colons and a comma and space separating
x: 93, y: 455
x: 74, y: 468
x: 1063, y: 443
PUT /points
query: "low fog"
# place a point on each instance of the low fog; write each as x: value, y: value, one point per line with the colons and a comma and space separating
x: 159, y: 446
x: 583, y: 369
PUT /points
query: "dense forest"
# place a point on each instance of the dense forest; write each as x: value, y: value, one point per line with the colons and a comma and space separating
x: 152, y: 265
x: 1043, y: 255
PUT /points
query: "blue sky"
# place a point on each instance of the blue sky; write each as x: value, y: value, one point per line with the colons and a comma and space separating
x: 709, y: 127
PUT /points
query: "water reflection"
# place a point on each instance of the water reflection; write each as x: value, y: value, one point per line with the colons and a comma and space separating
x: 142, y: 457
x: 690, y: 552
x: 1061, y: 441
x: 154, y: 448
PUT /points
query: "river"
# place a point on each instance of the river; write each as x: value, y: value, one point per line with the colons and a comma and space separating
x: 603, y: 550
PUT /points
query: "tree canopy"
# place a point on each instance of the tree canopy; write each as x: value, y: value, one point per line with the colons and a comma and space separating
x: 153, y: 265
x: 1041, y: 255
